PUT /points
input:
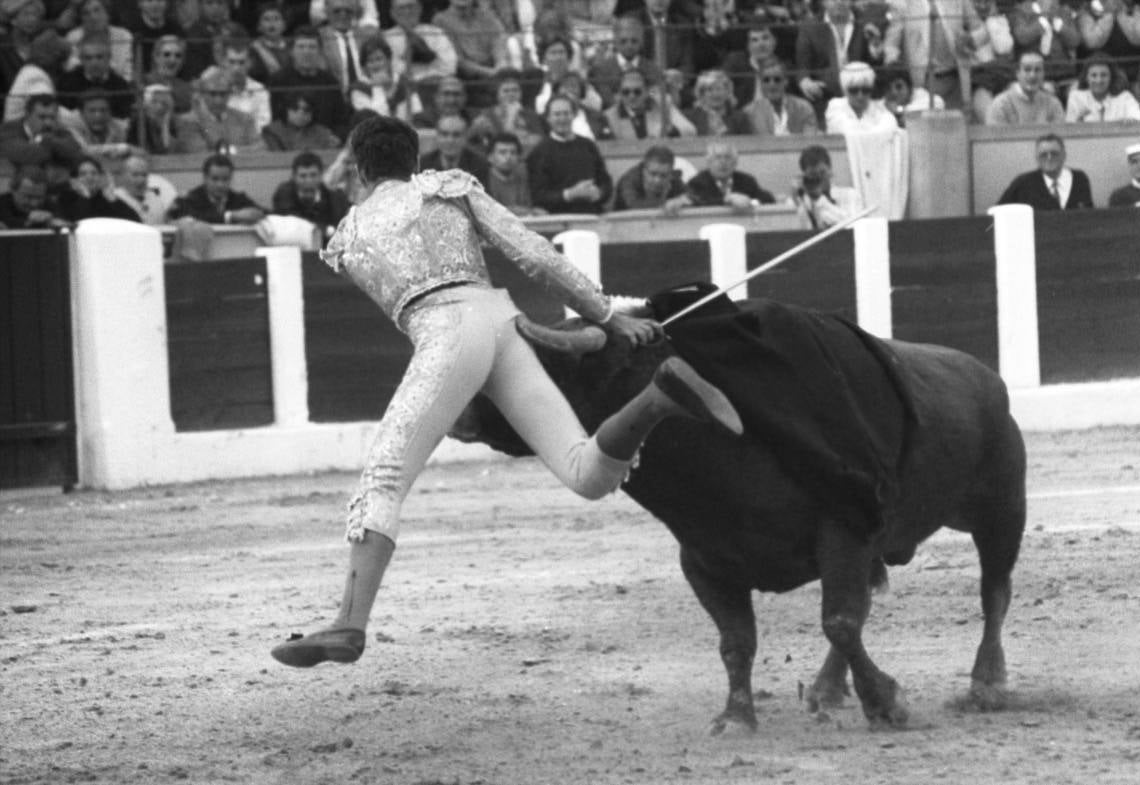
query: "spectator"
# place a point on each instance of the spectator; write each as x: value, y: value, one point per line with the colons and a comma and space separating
x: 479, y: 39
x: 212, y: 125
x: 743, y: 67
x: 24, y: 206
x: 98, y: 133
x: 25, y: 23
x: 992, y: 67
x: 650, y: 183
x: 269, y: 52
x: 720, y: 183
x: 1129, y: 195
x: 508, y: 115
x: 819, y: 203
x: 305, y: 75
x: 567, y: 171
x: 937, y: 41
x: 452, y: 151
x: 605, y: 73
x: 316, y: 11
x: 38, y: 139
x: 96, y: 23
x: 524, y: 48
x: 507, y: 180
x: 246, y: 94
x: 149, y: 195
x: 1052, y: 185
x: 714, y: 111
x: 44, y: 65
x: 901, y: 98
x: 156, y: 132
x: 341, y: 39
x: 299, y: 131
x: 213, y: 21
x: 856, y: 111
x: 421, y: 52
x: 168, y: 55
x: 450, y: 98
x: 820, y: 56
x: 666, y: 28
x: 638, y: 116
x: 1048, y: 27
x: 555, y: 55
x: 305, y: 196
x: 91, y: 196
x: 1025, y: 102
x: 378, y: 89
x: 774, y: 112
x: 150, y: 23
x: 587, y: 122
x: 1113, y: 27
x: 215, y: 201
x: 94, y: 73
x: 1101, y: 95
x: 717, y: 32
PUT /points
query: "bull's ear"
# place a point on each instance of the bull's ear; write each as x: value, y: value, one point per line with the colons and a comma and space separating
x: 579, y: 340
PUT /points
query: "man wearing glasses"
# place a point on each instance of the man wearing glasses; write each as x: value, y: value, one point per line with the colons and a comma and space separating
x: 1025, y: 102
x: 856, y: 111
x: 606, y: 72
x: 776, y: 113
x: 1052, y: 186
x: 637, y: 115
x: 169, y: 54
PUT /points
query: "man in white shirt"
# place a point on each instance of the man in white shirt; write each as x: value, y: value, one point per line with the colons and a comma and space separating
x: 149, y: 195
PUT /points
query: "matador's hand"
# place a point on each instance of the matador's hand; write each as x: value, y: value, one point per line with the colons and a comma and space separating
x: 637, y: 330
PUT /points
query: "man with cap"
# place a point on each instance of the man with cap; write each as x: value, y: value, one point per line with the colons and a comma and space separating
x: 1052, y: 186
x: 1129, y: 195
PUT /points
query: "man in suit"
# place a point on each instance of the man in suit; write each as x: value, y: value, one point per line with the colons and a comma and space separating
x: 1052, y: 186
x: 39, y: 139
x: 936, y: 39
x: 305, y: 196
x: 840, y: 37
x: 719, y: 183
x: 743, y: 68
x: 605, y: 73
x: 452, y: 151
x: 341, y: 38
x: 637, y: 116
x: 773, y: 112
x: 1129, y: 195
x: 212, y: 126
x: 215, y: 201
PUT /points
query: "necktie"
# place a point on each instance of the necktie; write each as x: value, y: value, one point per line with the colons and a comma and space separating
x: 1056, y: 192
x: 639, y: 128
x: 350, y: 73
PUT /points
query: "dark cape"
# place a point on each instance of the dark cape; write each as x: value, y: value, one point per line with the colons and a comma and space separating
x: 829, y: 400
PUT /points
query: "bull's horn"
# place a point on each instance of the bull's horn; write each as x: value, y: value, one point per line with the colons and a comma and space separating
x: 579, y: 340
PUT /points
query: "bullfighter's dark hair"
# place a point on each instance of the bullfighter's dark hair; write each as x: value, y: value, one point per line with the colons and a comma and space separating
x: 217, y: 159
x: 307, y: 159
x: 385, y: 148
x: 813, y: 155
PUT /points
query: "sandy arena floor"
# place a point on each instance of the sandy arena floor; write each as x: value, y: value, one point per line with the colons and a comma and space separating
x: 527, y: 637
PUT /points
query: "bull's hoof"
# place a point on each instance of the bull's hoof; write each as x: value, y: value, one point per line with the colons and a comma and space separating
x: 826, y: 695
x: 888, y: 710
x: 987, y: 697
x: 739, y: 717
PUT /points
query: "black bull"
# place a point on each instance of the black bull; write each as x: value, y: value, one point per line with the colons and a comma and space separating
x: 855, y: 451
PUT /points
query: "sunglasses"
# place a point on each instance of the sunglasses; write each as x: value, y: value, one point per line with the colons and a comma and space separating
x: 632, y: 91
x: 859, y: 90
x: 772, y: 79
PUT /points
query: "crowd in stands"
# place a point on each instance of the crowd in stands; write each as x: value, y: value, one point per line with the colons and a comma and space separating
x: 518, y: 92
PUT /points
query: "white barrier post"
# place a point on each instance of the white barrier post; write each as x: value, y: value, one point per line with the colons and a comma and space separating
x: 1016, y: 256
x: 728, y: 256
x: 122, y: 374
x: 873, y: 276
x: 287, y: 334
x: 584, y: 250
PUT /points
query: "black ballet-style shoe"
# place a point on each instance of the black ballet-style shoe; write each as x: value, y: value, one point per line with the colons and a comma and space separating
x: 343, y: 645
x: 685, y: 387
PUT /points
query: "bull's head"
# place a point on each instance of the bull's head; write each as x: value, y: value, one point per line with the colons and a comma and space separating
x: 597, y: 373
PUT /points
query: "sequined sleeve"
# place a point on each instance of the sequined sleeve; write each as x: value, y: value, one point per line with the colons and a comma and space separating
x: 536, y: 257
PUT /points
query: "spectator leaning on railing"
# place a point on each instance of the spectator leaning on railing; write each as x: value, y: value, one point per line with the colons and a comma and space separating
x: 304, y: 195
x: 1052, y: 185
x: 215, y: 201
x: 650, y: 183
x: 149, y: 195
x: 720, y: 183
x: 25, y: 205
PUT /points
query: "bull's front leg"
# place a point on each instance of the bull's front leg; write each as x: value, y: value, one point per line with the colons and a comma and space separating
x: 845, y: 563
x: 731, y: 611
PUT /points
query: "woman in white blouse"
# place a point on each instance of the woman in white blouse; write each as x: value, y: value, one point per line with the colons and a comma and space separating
x: 1101, y: 96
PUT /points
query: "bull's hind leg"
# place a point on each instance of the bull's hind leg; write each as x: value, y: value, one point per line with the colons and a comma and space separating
x: 845, y: 563
x: 998, y: 545
x: 731, y: 611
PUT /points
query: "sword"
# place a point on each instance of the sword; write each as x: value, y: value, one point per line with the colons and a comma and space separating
x: 785, y: 256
